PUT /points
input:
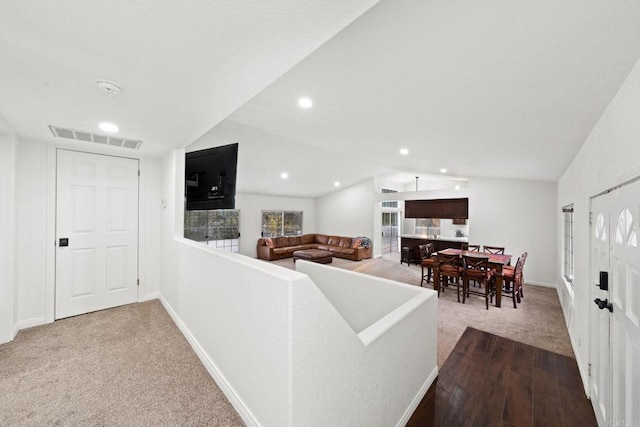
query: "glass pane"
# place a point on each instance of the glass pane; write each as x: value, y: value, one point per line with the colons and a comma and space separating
x: 292, y: 223
x: 271, y: 223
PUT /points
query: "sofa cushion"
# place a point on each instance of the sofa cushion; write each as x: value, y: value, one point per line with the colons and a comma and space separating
x: 294, y: 240
x: 334, y: 241
x: 347, y: 251
x: 283, y: 250
x: 307, y: 239
x: 345, y: 242
x: 322, y: 239
x: 323, y: 247
x: 281, y: 242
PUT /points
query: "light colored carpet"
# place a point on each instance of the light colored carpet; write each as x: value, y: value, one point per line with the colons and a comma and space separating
x: 127, y: 366
x: 537, y: 321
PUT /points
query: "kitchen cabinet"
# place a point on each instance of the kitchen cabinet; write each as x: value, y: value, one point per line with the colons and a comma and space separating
x: 437, y: 208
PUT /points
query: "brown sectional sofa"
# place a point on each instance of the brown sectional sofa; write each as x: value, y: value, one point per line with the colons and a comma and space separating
x: 284, y: 247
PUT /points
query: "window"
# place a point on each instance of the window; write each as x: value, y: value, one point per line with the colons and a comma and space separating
x: 389, y: 204
x: 281, y: 223
x: 219, y: 228
x: 428, y: 226
x: 567, y: 270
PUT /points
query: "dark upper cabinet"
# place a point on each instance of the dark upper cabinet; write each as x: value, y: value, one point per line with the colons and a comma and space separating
x: 437, y: 208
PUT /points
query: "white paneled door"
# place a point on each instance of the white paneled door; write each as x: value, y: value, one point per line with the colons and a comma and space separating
x: 599, y: 319
x: 620, y: 405
x: 96, y: 232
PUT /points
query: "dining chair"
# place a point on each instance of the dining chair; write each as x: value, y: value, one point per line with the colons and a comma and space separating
x: 476, y: 268
x: 470, y: 248
x: 520, y: 292
x: 448, y: 268
x: 512, y: 281
x: 426, y: 261
x: 494, y: 249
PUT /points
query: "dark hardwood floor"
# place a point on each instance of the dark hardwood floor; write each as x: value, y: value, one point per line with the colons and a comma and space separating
x: 493, y: 381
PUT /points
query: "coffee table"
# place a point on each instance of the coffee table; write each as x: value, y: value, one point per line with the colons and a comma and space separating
x: 314, y: 255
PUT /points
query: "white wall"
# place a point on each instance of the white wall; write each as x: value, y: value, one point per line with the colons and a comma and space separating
x: 347, y: 212
x: 31, y: 232
x: 609, y: 157
x: 521, y: 216
x: 374, y: 378
x: 251, y: 207
x: 7, y: 239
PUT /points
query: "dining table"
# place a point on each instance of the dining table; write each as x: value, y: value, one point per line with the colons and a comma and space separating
x: 496, y: 262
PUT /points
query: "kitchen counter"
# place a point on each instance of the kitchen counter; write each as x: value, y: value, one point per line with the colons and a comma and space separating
x: 439, y: 243
x: 440, y: 238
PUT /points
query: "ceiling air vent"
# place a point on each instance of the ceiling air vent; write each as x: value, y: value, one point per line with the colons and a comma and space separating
x: 80, y: 135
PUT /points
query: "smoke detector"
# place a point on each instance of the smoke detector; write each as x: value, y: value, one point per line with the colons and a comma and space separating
x: 109, y: 87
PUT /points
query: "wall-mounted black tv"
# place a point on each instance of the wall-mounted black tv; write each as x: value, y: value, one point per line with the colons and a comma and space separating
x: 210, y: 178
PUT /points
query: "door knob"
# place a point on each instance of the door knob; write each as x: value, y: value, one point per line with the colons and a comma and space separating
x: 603, y: 304
x: 64, y: 241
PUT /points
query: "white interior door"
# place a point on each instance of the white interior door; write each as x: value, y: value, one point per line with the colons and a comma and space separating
x: 599, y: 319
x: 97, y: 214
x: 615, y: 349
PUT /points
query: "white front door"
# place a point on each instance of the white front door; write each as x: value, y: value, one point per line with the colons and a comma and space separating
x: 616, y: 350
x: 96, y: 232
x: 625, y: 297
x: 599, y: 319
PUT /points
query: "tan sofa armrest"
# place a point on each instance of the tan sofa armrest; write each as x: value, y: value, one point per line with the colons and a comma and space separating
x: 264, y: 252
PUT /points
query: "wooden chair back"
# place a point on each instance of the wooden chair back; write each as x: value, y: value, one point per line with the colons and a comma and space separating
x: 470, y: 248
x: 494, y: 249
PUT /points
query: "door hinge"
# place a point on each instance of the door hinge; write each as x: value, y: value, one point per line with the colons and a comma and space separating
x: 138, y: 282
x: 590, y: 216
x: 138, y: 172
x: 589, y: 369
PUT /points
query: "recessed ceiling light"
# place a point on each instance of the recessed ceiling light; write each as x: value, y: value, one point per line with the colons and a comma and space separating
x: 443, y: 170
x: 336, y: 184
x: 108, y: 127
x: 404, y: 151
x: 457, y: 187
x: 305, y: 102
x: 284, y: 175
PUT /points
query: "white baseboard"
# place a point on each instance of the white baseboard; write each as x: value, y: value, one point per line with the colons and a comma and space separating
x: 237, y: 403
x: 29, y: 323
x: 416, y: 400
x: 150, y: 296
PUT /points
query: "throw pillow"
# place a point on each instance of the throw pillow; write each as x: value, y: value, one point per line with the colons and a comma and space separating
x: 356, y: 243
x: 269, y: 242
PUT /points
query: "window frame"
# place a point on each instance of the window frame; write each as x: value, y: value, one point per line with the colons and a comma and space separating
x: 568, y: 244
x: 207, y: 226
x: 282, y: 223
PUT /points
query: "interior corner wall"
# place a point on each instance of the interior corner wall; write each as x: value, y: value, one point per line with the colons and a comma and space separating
x: 519, y: 215
x: 609, y: 157
x: 31, y: 232
x: 347, y: 212
x: 7, y: 231
x: 251, y: 207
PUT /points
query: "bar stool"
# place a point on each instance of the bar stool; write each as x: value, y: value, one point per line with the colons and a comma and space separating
x: 408, y: 255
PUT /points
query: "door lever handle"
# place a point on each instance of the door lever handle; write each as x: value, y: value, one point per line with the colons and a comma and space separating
x: 604, y: 304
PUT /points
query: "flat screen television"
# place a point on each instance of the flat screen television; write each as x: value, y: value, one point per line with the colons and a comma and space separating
x: 210, y: 178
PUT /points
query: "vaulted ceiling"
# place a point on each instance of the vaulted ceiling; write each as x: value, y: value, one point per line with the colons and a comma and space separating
x: 506, y: 89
